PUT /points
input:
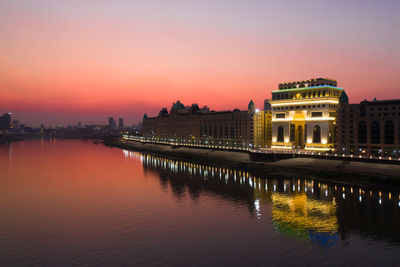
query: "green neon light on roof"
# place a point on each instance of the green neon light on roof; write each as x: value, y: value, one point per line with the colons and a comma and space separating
x: 303, y: 88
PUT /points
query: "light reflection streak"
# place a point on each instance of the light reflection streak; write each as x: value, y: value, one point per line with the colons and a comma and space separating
x: 292, y: 193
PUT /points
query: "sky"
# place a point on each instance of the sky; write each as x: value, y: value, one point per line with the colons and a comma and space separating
x: 70, y: 61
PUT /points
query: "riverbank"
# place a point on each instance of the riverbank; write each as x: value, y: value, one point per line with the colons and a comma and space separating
x: 333, y: 170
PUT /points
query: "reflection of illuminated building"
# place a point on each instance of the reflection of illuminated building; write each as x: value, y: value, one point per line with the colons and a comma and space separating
x: 304, y: 209
x: 304, y: 218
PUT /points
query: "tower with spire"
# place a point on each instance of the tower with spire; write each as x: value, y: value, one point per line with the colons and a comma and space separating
x: 251, y: 107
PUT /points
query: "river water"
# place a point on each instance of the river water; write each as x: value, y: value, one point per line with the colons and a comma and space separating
x: 73, y: 202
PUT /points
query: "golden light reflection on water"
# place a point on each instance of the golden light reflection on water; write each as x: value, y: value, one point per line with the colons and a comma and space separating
x: 298, y: 215
x: 301, y: 208
x: 304, y: 213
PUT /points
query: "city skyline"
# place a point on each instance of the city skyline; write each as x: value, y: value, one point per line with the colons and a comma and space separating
x: 95, y: 59
x: 199, y: 132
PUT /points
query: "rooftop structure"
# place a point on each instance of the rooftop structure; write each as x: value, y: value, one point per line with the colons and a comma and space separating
x: 308, y: 83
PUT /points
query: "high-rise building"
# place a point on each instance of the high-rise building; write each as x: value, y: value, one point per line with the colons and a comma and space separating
x: 121, y: 123
x: 111, y: 122
x: 304, y: 114
x: 262, y: 128
x: 5, y: 121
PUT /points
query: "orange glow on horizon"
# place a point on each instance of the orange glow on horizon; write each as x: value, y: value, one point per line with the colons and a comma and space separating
x: 98, y: 64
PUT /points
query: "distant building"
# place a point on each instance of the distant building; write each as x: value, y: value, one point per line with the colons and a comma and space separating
x: 111, y: 122
x: 370, y: 127
x: 267, y: 105
x: 15, y: 124
x: 204, y: 109
x: 304, y: 114
x: 5, y: 121
x: 193, y: 125
x: 121, y: 123
x: 95, y: 127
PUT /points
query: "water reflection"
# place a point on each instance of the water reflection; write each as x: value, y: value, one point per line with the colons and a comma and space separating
x: 304, y: 209
x: 305, y: 218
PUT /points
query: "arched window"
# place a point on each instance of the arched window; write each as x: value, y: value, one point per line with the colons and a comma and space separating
x: 389, y: 132
x: 362, y: 132
x: 317, y: 134
x: 375, y: 132
x: 280, y: 134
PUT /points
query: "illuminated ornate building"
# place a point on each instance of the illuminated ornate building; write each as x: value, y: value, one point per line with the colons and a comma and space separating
x: 304, y: 114
x: 371, y: 127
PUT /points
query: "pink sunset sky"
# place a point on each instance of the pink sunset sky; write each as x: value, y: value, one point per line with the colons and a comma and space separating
x: 70, y: 61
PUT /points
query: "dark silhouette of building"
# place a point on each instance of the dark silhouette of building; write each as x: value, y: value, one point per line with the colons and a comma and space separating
x: 5, y: 121
x: 111, y: 122
x: 267, y: 105
x: 121, y: 123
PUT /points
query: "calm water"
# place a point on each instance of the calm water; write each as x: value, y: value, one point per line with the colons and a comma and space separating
x: 77, y: 203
